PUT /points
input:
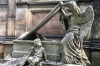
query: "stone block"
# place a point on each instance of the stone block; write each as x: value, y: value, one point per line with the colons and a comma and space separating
x: 3, y: 13
x: 22, y: 47
x: 21, y: 13
x: 17, y: 54
x: 7, y: 49
x: 52, y: 48
x: 53, y: 27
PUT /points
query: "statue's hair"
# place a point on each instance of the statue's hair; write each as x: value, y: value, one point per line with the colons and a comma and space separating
x: 73, y: 4
x: 37, y: 39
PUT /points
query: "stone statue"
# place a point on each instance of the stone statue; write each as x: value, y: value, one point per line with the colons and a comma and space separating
x: 79, y: 28
x: 38, y: 52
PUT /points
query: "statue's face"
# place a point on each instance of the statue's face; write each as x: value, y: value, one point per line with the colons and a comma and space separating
x: 71, y: 8
x: 68, y: 8
x: 38, y: 43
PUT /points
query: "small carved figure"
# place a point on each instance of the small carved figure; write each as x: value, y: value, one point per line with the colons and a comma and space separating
x: 79, y: 28
x: 38, y: 52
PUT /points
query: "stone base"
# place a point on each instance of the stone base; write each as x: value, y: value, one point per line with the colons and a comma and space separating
x: 50, y: 64
x: 71, y: 65
x: 58, y: 64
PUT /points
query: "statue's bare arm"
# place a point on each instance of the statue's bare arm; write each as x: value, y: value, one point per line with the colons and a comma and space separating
x: 67, y: 16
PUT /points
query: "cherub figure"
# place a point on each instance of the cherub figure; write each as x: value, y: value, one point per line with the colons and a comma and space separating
x: 79, y: 28
x: 39, y: 53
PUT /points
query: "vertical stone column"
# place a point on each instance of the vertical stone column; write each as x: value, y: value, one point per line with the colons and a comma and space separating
x: 1, y: 50
x: 11, y: 18
x: 22, y: 19
x: 29, y: 20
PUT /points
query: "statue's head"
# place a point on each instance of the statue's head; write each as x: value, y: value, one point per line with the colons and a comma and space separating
x: 37, y: 42
x: 72, y: 7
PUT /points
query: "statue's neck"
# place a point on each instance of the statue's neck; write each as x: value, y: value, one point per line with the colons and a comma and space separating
x: 37, y: 48
x: 76, y: 12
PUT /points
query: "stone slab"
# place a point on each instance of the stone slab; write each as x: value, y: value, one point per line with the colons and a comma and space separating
x: 50, y: 63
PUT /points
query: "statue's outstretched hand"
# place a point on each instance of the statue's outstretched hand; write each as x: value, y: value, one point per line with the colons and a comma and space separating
x: 31, y: 48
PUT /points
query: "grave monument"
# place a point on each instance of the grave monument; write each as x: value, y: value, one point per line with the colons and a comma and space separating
x: 67, y: 52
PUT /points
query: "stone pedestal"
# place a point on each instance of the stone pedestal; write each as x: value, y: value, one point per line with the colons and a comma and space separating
x: 22, y: 47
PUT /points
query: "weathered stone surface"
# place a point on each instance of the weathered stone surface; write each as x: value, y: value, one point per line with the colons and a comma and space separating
x: 9, y: 61
x: 17, y: 54
x: 3, y: 28
x: 7, y: 49
x: 1, y: 51
x: 20, y: 27
x: 44, y: 21
x: 35, y: 0
x: 18, y: 45
x: 3, y: 1
x: 29, y: 21
x: 96, y: 58
x: 53, y: 54
x: 21, y: 21
x: 58, y: 64
x: 96, y: 28
x: 11, y: 27
x: 3, y: 13
x: 11, y: 8
x: 21, y: 13
x: 54, y: 26
x: 11, y: 18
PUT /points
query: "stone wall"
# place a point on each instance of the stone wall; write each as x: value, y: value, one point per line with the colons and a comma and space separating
x: 3, y: 20
x: 15, y: 19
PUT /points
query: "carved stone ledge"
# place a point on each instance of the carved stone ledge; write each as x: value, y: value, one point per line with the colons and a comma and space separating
x: 50, y: 63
